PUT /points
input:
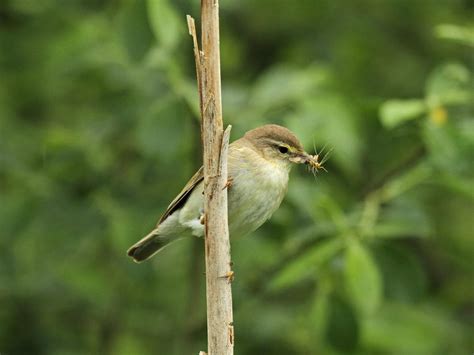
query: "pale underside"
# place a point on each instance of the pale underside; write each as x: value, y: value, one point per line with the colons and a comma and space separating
x: 257, y: 189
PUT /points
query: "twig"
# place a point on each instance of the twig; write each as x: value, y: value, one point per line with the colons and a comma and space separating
x: 220, y: 328
x: 198, y: 59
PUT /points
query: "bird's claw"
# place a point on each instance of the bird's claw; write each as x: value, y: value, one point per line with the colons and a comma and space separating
x: 229, y: 276
x: 229, y: 183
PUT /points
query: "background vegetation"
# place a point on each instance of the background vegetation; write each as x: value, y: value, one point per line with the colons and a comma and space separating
x: 99, y: 130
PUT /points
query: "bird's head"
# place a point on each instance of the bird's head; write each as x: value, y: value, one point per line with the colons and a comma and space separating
x: 280, y: 146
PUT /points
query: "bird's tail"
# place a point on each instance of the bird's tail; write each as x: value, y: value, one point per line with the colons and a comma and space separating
x: 148, y: 246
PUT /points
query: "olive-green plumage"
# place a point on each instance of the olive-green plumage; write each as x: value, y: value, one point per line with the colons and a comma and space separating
x: 258, y: 166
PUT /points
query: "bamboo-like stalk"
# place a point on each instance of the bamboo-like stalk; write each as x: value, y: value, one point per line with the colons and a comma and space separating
x: 220, y: 327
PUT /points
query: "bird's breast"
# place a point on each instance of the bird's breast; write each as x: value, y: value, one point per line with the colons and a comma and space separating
x: 257, y: 190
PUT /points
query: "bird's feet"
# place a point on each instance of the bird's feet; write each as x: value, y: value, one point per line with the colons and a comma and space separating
x: 229, y: 183
x: 229, y: 276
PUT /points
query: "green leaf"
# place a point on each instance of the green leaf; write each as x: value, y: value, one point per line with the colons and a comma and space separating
x: 362, y: 278
x: 134, y: 30
x: 412, y: 329
x: 449, y: 84
x: 329, y: 118
x: 406, y: 181
x: 458, y: 184
x: 450, y: 146
x: 395, y: 112
x: 306, y: 265
x: 461, y: 34
x: 320, y: 309
x: 406, y: 280
x: 319, y: 313
x: 402, y: 218
x: 343, y: 328
x: 161, y: 121
x: 165, y: 23
x: 282, y: 84
x: 127, y: 343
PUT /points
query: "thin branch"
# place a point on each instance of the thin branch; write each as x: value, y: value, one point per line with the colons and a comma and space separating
x: 220, y: 327
x: 198, y: 59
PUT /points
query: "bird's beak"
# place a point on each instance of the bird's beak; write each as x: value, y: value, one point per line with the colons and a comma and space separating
x: 311, y: 160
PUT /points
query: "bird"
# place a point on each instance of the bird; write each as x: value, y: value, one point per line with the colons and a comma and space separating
x: 258, y: 167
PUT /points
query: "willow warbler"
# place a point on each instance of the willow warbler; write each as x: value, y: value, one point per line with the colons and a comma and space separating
x: 258, y: 167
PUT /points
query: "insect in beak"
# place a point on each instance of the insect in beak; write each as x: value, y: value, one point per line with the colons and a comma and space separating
x: 314, y: 163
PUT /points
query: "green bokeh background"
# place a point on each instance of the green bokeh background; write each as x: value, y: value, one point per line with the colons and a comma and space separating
x: 99, y: 129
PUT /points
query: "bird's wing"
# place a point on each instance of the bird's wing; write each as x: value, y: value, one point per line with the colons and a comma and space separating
x: 183, y: 196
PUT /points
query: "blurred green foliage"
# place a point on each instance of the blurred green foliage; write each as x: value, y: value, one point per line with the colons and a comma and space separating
x: 99, y: 129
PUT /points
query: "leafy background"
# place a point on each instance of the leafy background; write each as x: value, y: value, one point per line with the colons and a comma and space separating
x: 99, y: 128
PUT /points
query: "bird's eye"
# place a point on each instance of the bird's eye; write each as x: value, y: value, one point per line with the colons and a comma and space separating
x: 282, y: 149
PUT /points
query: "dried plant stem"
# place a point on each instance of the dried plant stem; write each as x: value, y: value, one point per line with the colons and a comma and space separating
x: 215, y: 142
